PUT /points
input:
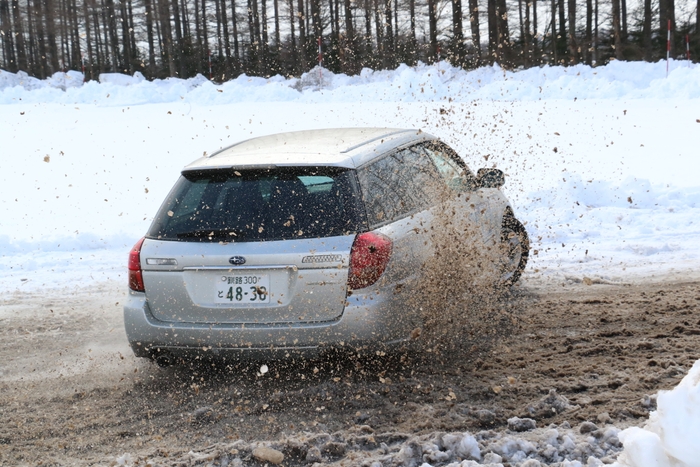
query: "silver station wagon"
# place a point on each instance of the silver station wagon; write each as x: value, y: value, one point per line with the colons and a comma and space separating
x: 298, y: 242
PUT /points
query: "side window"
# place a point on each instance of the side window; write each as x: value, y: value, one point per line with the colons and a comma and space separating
x: 398, y: 185
x: 456, y: 174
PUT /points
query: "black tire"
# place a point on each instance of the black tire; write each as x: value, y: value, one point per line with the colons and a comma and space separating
x: 516, y: 248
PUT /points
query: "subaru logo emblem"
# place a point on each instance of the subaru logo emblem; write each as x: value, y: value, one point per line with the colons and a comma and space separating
x: 236, y: 260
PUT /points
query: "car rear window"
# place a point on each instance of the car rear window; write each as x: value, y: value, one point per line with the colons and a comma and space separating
x: 257, y: 205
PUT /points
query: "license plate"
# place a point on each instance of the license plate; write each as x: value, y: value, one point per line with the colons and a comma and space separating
x: 247, y: 288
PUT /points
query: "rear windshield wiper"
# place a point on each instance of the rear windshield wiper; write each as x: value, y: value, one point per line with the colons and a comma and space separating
x: 228, y: 234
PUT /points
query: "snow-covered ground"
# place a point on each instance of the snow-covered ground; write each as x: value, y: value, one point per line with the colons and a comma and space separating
x: 602, y: 165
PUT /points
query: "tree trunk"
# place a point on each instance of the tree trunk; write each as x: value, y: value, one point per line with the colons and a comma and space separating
x: 596, y: 41
x: 302, y: 35
x: 178, y: 45
x: 265, y: 50
x: 100, y: 46
x: 349, y: 63
x: 555, y: 54
x: 573, y: 44
x: 316, y: 18
x: 77, y: 54
x: 623, y: 17
x: 379, y: 28
x: 49, y: 14
x: 149, y: 34
x: 589, y: 31
x: 205, y: 33
x: 278, y: 40
x: 166, y: 30
x: 503, y: 34
x: 534, y: 31
x: 646, y: 31
x: 368, y: 29
x: 616, y: 29
x: 32, y: 59
x: 227, y: 40
x: 493, y: 31
x: 236, y: 46
x: 561, y: 37
x: 474, y: 27
x: 432, y: 23
x: 527, y: 40
x: 413, y: 41
x: 293, y: 52
x: 331, y: 13
x: 126, y: 39
x: 667, y: 12
x: 113, y: 36
x: 63, y: 34
x: 521, y: 21
x: 88, y: 42
x: 219, y: 38
x: 388, y: 37
x: 41, y: 39
x: 8, y: 44
x: 458, y: 49
x: 19, y: 36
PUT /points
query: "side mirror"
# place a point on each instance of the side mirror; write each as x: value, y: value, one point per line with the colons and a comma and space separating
x: 490, y: 178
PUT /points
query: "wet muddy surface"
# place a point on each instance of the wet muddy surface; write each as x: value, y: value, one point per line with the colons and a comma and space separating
x: 71, y: 393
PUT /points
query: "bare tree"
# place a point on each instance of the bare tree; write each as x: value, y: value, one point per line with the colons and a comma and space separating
x: 667, y: 12
x: 573, y: 43
x: 19, y: 36
x: 432, y: 26
x: 617, y: 33
x: 646, y: 31
x: 8, y: 44
x: 474, y: 26
x: 459, y: 52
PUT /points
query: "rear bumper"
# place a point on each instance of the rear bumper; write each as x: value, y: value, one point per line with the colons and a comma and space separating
x: 369, y: 322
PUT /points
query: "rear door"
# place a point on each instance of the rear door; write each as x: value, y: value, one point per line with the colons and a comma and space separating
x: 253, y: 247
x: 403, y: 193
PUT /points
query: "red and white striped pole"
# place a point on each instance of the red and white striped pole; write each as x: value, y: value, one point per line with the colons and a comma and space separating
x: 320, y: 63
x: 210, y: 76
x: 668, y: 46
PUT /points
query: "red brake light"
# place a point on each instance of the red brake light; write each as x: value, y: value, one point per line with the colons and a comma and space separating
x: 135, y: 275
x: 368, y: 259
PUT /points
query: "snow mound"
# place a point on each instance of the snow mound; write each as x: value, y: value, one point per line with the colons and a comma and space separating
x: 421, y: 83
x: 670, y: 437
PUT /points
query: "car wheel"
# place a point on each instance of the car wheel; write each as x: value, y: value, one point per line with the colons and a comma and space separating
x: 516, y: 248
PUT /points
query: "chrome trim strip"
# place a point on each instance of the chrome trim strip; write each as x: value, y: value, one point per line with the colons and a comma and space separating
x: 235, y: 268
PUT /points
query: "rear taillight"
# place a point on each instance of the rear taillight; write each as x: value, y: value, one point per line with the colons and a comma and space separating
x: 368, y: 259
x: 135, y: 275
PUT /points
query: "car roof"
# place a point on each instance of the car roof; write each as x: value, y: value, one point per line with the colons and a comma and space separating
x: 339, y: 147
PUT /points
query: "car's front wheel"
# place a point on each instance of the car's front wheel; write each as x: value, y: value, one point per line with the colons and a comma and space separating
x: 516, y: 249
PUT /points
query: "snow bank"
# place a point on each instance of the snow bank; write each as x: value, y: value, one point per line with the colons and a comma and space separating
x: 422, y: 83
x: 590, y: 227
x: 670, y: 437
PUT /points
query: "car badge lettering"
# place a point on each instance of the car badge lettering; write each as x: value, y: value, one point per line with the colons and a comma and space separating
x: 322, y: 259
x: 236, y: 260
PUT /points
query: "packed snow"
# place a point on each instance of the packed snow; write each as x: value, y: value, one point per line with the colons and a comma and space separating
x: 601, y: 165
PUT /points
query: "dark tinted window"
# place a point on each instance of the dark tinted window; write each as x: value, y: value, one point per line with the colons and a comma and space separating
x: 400, y: 184
x: 255, y: 205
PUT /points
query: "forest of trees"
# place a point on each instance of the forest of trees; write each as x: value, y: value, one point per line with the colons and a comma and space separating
x: 161, y: 38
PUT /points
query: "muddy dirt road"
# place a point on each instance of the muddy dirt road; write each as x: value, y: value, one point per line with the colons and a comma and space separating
x: 71, y: 393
